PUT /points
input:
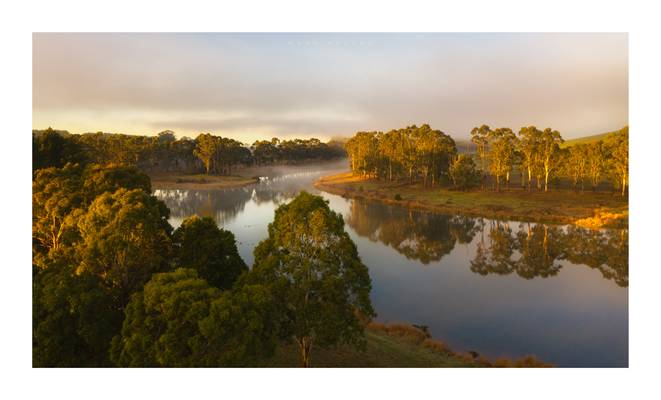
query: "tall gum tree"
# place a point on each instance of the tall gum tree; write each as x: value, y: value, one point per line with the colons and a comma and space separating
x: 529, y: 138
x: 549, y: 151
x: 618, y: 146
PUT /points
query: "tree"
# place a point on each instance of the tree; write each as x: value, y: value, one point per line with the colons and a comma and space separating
x: 575, y: 163
x: 56, y: 193
x: 52, y: 148
x: 179, y: 320
x: 161, y: 324
x: 73, y: 319
x: 205, y: 150
x: 242, y: 327
x: 480, y: 137
x: 618, y: 148
x: 166, y: 137
x: 529, y: 138
x: 363, y: 150
x: 549, y: 153
x: 502, y: 145
x: 596, y: 163
x: 211, y: 251
x: 124, y: 239
x: 312, y: 267
x: 463, y: 172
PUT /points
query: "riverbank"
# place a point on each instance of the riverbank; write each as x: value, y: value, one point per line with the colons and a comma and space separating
x: 198, y: 181
x: 588, y: 209
x: 394, y: 345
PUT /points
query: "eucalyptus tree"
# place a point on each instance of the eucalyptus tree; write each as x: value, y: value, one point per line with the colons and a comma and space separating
x: 549, y: 153
x: 312, y: 268
x: 390, y: 147
x: 211, y: 251
x: 480, y: 137
x: 125, y: 237
x: 205, y: 150
x: 576, y: 164
x: 529, y: 142
x: 596, y: 165
x: 502, y: 147
x: 618, y: 148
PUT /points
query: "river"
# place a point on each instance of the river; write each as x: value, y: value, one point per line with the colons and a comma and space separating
x: 501, y: 288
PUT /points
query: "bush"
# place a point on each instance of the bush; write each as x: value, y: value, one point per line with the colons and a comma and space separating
x: 463, y: 173
x: 398, y: 197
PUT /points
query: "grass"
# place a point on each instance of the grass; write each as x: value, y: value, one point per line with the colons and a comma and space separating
x: 590, y: 209
x: 393, y: 345
x: 198, y: 181
x: 586, y: 139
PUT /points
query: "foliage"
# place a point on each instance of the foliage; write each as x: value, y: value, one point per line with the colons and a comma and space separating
x: 179, y: 320
x: 211, y: 251
x: 52, y: 148
x: 312, y: 268
x: 463, y: 172
x: 73, y: 319
x: 161, y: 324
x: 413, y: 152
x: 618, y: 147
x: 124, y: 238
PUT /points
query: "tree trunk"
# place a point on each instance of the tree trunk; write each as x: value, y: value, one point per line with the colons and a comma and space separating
x: 529, y: 179
x: 304, y: 346
x: 624, y: 185
x: 390, y: 169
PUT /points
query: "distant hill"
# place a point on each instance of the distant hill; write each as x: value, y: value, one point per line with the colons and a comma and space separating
x: 586, y: 139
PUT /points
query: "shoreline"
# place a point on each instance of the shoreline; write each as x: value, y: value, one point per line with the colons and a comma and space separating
x: 398, y: 345
x: 198, y: 181
x: 589, y: 210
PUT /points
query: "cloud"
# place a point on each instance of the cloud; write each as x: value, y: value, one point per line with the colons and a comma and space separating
x: 328, y: 84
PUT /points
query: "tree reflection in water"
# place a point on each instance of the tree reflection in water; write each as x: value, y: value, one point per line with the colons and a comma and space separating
x: 421, y: 236
x: 530, y: 250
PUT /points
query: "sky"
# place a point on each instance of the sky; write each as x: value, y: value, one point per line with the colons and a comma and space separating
x: 252, y: 86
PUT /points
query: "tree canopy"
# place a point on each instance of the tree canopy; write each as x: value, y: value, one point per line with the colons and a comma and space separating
x: 312, y: 268
x: 211, y: 251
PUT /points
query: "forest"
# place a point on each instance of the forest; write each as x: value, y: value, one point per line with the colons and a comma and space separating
x: 536, y: 157
x: 115, y: 285
x: 165, y: 153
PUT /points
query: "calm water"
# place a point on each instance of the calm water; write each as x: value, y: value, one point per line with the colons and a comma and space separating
x: 502, y: 288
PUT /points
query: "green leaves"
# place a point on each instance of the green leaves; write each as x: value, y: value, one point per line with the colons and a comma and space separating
x: 313, y: 271
x: 125, y: 237
x: 212, y: 252
x: 179, y: 320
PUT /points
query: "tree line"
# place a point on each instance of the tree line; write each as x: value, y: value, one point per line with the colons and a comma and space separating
x: 537, y: 154
x: 409, y: 153
x: 430, y: 156
x: 115, y: 285
x: 165, y: 153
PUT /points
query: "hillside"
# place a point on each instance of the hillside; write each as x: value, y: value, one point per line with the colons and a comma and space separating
x: 586, y: 139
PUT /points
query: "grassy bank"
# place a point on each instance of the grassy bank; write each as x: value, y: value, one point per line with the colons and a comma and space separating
x: 594, y: 210
x: 198, y: 181
x: 395, y: 345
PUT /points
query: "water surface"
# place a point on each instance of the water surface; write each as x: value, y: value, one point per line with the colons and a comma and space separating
x: 502, y: 288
